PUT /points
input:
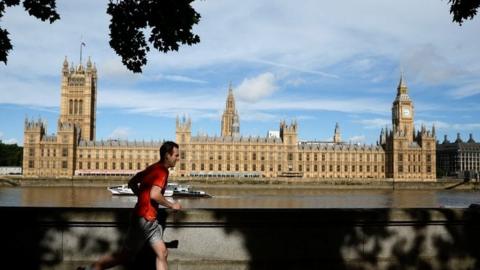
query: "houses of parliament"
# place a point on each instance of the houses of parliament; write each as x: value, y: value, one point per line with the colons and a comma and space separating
x: 402, y: 153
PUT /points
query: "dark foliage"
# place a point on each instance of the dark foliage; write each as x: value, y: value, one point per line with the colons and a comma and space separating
x: 10, y: 154
x: 5, y: 44
x: 169, y: 21
x: 41, y: 9
x: 463, y: 9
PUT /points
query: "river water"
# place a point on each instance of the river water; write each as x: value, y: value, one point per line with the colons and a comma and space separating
x: 247, y: 197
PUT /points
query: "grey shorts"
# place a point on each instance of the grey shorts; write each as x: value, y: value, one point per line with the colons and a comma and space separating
x: 140, y: 231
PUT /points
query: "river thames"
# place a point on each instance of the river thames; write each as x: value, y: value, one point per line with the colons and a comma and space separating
x: 247, y: 197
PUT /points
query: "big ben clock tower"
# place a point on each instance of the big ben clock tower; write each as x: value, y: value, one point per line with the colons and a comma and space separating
x: 400, y: 142
x: 409, y: 155
x: 403, y: 112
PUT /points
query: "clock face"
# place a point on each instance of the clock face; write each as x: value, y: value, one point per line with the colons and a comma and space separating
x: 406, y: 112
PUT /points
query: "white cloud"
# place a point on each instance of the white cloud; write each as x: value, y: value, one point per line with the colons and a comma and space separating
x: 427, y: 65
x: 316, y: 104
x: 29, y: 91
x: 311, y: 42
x: 429, y: 124
x: 9, y: 140
x: 378, y: 78
x: 296, y: 82
x: 210, y: 103
x: 296, y: 68
x: 180, y: 78
x: 444, y: 126
x: 162, y: 103
x: 362, y: 65
x: 120, y: 133
x: 259, y: 116
x: 114, y: 69
x: 373, y: 123
x: 257, y: 88
x: 357, y: 139
x: 467, y: 90
x: 309, y: 37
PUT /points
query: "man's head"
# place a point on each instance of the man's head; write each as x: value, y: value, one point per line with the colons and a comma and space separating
x: 169, y: 154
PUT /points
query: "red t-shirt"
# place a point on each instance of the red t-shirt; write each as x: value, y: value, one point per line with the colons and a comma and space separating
x: 155, y: 174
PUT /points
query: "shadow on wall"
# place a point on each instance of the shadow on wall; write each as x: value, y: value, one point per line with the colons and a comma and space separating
x: 48, y: 238
x: 39, y: 238
x: 25, y: 243
x: 44, y: 238
x: 356, y: 239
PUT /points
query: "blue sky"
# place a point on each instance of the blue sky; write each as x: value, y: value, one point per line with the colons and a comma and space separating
x: 317, y: 62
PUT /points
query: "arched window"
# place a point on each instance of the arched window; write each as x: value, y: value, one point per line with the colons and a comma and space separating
x: 80, y: 107
x: 75, y: 106
x: 70, y: 107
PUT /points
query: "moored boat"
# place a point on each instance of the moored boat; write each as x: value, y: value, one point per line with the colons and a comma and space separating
x: 173, y: 189
x: 187, y: 191
x: 120, y: 190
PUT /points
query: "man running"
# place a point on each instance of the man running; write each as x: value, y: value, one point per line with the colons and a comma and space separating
x: 149, y: 186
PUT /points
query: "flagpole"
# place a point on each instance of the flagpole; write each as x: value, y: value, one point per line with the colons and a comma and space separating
x: 81, y: 45
x: 80, y: 53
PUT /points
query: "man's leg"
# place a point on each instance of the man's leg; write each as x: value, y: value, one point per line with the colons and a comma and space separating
x: 134, y: 241
x: 162, y: 253
x: 111, y: 260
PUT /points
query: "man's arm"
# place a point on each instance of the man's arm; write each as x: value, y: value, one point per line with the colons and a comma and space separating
x: 156, y: 195
x: 133, y: 183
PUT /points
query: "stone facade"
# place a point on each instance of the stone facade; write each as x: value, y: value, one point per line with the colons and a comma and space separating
x: 459, y: 158
x: 401, y: 153
x: 79, y: 98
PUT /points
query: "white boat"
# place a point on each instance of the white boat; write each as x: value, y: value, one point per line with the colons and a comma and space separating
x: 126, y: 191
x: 187, y: 191
x: 173, y: 189
x: 120, y: 190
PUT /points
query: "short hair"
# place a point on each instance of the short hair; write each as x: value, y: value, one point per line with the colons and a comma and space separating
x: 167, y: 147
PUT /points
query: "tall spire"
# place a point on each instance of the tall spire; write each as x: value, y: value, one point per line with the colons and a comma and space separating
x: 402, y: 86
x: 230, y: 105
x: 65, y: 62
x: 89, y: 63
x: 230, y: 119
x: 65, y: 65
x: 336, y: 135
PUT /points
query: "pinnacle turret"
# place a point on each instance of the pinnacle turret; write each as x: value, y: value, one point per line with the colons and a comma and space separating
x: 402, y: 88
x: 230, y: 119
x: 89, y: 63
x: 336, y: 135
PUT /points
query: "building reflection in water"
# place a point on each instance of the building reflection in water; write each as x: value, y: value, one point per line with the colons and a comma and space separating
x: 246, y: 197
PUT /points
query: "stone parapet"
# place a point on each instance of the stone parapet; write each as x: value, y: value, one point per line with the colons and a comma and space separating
x: 414, y: 238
